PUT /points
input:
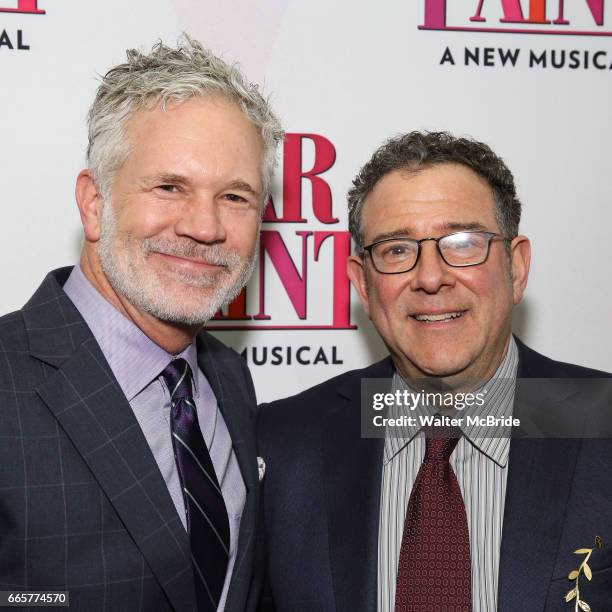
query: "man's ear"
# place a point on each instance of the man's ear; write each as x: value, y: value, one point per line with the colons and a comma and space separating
x: 355, y: 269
x: 89, y: 202
x: 520, y: 258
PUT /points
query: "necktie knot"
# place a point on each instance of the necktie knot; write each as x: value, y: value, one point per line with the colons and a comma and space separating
x: 178, y: 379
x: 440, y: 443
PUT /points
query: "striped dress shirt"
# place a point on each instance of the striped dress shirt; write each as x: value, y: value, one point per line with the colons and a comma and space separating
x: 480, y: 464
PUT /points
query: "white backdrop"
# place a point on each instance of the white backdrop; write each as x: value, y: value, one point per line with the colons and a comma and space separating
x: 353, y: 73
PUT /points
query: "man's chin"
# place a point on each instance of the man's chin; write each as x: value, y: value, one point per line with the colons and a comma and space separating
x: 191, y: 306
x: 439, y: 366
x: 187, y: 317
x: 180, y: 299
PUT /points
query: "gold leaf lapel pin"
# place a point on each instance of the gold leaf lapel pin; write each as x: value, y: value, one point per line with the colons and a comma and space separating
x: 583, y: 569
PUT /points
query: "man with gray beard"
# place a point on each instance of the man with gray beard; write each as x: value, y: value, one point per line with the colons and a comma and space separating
x: 129, y: 475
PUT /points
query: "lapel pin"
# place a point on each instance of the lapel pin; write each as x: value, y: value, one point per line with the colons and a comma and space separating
x: 584, y: 570
x: 261, y: 468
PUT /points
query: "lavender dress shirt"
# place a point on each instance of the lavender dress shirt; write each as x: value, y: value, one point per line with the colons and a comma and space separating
x: 137, y: 363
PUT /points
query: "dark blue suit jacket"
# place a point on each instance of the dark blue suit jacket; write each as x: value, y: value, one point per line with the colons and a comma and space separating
x: 83, y: 505
x: 321, y: 502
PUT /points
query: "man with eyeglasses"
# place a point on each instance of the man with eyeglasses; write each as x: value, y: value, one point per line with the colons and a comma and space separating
x: 453, y: 520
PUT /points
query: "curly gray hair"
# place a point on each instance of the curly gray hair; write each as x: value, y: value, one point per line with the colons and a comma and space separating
x: 162, y: 76
x: 417, y: 150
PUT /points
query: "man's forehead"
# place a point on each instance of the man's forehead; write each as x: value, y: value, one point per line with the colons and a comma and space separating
x: 433, y: 182
x: 198, y: 137
x: 435, y: 230
x: 441, y: 199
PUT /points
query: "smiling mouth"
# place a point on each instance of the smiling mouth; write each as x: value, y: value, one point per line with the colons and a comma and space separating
x: 436, y: 318
x: 185, y: 260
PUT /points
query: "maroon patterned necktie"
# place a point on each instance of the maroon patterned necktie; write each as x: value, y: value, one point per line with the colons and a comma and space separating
x: 434, y: 572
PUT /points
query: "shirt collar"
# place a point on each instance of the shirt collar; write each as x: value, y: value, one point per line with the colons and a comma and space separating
x: 133, y: 357
x: 500, y: 403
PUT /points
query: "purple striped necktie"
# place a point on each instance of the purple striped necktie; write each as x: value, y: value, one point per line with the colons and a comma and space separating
x: 207, y: 520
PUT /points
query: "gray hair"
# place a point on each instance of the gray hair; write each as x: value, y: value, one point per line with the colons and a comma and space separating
x: 162, y: 76
x: 419, y: 150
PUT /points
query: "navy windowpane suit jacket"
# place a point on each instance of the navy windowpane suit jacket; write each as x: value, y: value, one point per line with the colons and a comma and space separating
x: 83, y: 506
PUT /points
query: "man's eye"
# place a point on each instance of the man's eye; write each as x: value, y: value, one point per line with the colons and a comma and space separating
x: 233, y: 197
x: 168, y: 188
x: 395, y: 251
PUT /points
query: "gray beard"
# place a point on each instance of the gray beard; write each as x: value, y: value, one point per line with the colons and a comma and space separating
x: 143, y: 288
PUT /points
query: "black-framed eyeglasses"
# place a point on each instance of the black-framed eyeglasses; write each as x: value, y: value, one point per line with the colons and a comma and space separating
x: 459, y: 250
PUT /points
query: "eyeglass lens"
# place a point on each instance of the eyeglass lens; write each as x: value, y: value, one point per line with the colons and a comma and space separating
x: 460, y: 249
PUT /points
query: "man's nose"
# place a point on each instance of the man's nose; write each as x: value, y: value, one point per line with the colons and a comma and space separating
x: 431, y: 272
x: 199, y: 218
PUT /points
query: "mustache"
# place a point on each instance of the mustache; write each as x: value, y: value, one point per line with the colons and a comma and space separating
x: 213, y: 254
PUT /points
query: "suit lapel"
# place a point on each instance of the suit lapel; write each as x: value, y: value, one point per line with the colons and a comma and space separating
x: 223, y: 373
x: 86, y: 400
x: 352, y: 479
x: 539, y: 482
